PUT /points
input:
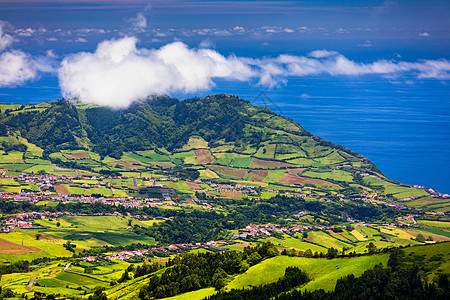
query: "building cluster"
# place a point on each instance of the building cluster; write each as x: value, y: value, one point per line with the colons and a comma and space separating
x: 177, y: 248
x: 254, y: 230
x: 433, y: 193
x: 406, y: 221
x: 222, y: 187
x: 24, y: 220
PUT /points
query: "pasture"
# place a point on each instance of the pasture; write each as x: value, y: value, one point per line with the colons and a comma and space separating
x: 323, y: 272
x: 203, y: 156
x: 36, y: 248
x: 7, y: 247
x: 338, y: 175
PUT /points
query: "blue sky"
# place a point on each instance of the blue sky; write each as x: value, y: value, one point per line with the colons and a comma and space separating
x: 392, y: 55
x: 413, y: 23
x: 44, y: 33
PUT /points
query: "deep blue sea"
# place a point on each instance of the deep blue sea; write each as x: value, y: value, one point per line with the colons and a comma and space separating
x: 403, y: 128
x: 402, y: 125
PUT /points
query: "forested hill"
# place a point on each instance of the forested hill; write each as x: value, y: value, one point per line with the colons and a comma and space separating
x: 219, y: 136
x: 161, y: 122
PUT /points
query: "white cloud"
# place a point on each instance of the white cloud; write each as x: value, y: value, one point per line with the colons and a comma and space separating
x: 139, y: 21
x: 51, y: 54
x: 342, y: 30
x: 5, y: 39
x: 158, y: 33
x: 16, y: 67
x: 272, y: 70
x: 322, y: 53
x: 424, y: 34
x: 118, y: 73
x: 80, y: 40
x: 222, y: 32
x: 90, y: 31
x: 25, y: 32
x: 206, y: 44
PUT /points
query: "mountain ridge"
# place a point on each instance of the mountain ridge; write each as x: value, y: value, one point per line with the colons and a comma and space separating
x: 236, y: 135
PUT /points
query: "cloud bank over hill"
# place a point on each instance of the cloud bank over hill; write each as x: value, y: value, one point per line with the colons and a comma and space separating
x: 118, y: 73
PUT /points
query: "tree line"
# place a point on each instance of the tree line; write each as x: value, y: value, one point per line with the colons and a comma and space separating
x: 189, y: 272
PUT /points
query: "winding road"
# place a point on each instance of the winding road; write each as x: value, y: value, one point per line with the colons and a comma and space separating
x: 31, y: 283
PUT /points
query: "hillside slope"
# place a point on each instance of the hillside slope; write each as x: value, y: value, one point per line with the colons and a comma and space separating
x: 220, y: 136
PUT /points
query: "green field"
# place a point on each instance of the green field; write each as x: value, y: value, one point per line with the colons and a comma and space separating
x: 332, y: 158
x: 298, y: 244
x: 92, y: 231
x: 14, y: 157
x: 323, y: 272
x: 224, y: 158
x: 195, y: 142
x: 97, y: 223
x: 71, y: 279
x: 274, y: 176
x: 241, y: 162
x: 398, y: 191
x: 199, y: 294
x: 328, y: 241
x: 111, y: 238
x: 435, y: 224
x: 429, y: 203
x: 337, y: 175
x: 435, y: 255
x: 154, y: 157
x: 49, y: 248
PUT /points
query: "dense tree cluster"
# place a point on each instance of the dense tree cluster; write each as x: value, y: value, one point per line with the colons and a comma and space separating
x: 158, y: 122
x: 22, y: 266
x: 6, y: 293
x: 13, y: 147
x: 189, y: 228
x: 147, y: 269
x: 60, y: 119
x: 189, y: 272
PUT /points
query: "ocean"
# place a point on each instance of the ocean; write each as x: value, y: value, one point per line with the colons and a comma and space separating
x: 402, y: 127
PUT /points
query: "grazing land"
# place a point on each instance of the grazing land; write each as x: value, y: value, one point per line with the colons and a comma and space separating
x: 251, y: 191
x: 7, y: 247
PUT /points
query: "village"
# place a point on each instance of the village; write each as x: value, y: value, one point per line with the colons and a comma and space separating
x: 173, y: 249
x: 46, y: 183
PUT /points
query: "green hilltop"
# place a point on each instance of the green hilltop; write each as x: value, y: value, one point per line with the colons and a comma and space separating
x: 221, y: 136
